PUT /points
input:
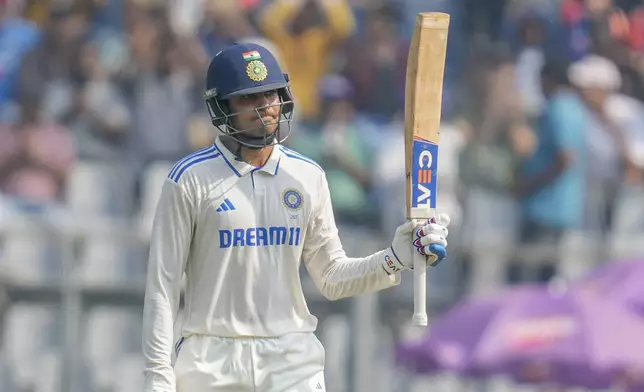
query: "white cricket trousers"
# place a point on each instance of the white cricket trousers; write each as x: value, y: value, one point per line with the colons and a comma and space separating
x: 290, y: 363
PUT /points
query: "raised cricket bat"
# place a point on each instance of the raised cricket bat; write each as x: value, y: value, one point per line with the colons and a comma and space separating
x: 423, y: 99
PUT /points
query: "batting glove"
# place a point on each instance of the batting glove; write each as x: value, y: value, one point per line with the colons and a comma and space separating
x: 429, y: 238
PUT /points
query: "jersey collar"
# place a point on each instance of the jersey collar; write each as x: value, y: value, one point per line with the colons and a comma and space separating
x: 242, y: 168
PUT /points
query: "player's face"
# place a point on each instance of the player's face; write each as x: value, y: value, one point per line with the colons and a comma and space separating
x: 256, y: 113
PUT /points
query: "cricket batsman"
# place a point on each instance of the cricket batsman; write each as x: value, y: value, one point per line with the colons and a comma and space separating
x: 238, y: 218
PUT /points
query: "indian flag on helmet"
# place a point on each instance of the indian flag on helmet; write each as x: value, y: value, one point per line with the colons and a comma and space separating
x: 252, y: 55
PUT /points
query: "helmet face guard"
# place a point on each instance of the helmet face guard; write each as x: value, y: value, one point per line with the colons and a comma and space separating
x: 223, y: 119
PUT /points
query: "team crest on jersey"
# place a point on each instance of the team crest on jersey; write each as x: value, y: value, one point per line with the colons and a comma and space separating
x: 256, y: 71
x: 292, y: 199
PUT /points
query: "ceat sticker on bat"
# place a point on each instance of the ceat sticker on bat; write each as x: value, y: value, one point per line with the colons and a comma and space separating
x: 425, y: 165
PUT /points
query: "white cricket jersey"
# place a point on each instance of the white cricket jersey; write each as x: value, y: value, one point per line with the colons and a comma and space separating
x: 239, y: 234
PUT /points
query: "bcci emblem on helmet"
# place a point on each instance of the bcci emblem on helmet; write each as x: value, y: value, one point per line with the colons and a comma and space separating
x: 256, y: 71
x: 292, y: 199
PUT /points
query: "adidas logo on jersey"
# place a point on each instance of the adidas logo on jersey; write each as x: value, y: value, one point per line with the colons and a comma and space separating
x: 226, y: 206
x: 317, y: 383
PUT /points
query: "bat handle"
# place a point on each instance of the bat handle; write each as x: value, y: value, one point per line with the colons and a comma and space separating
x: 420, y: 290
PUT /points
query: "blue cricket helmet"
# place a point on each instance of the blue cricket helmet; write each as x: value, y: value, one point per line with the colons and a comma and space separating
x: 245, y: 69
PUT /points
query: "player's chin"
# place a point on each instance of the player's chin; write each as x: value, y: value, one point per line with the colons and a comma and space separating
x: 266, y: 129
x: 262, y: 131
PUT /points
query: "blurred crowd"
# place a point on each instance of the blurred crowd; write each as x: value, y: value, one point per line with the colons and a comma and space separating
x: 552, y: 120
x: 531, y: 148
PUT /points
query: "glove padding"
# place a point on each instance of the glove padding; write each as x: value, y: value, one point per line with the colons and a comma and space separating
x: 429, y: 238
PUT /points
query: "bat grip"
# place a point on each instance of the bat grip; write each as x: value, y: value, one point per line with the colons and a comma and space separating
x: 420, y: 290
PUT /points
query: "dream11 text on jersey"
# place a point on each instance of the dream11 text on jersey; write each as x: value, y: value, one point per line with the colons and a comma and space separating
x: 259, y: 236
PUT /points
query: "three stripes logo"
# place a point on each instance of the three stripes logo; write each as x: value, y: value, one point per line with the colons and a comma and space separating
x: 226, y: 205
x: 317, y: 383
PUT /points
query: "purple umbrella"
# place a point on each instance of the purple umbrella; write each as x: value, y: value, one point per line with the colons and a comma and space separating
x: 454, y: 336
x: 532, y: 334
x: 574, y: 338
x: 621, y: 281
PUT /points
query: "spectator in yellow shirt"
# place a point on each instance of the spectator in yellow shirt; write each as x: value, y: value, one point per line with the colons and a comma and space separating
x: 307, y: 32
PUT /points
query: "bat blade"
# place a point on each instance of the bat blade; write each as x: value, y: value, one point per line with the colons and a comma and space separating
x: 423, y: 105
